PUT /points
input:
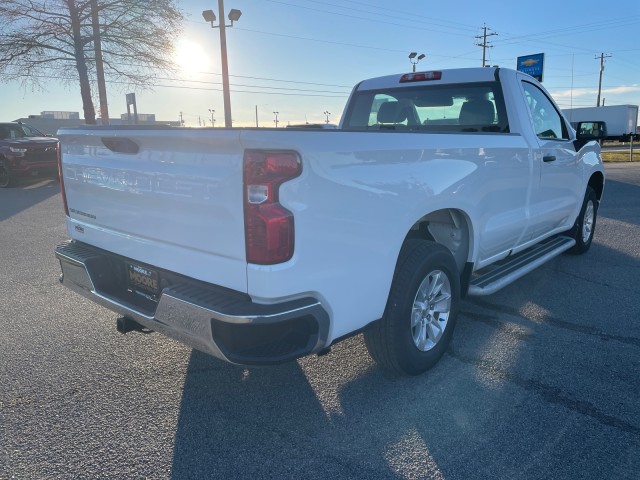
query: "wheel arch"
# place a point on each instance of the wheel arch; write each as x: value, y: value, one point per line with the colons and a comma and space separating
x: 596, y: 181
x: 449, y: 227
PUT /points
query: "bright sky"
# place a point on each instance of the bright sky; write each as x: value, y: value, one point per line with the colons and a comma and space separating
x: 301, y: 58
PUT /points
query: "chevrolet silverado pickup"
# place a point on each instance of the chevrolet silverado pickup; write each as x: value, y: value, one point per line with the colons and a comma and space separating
x: 260, y: 246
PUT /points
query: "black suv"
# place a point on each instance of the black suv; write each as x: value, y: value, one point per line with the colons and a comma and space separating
x: 25, y: 152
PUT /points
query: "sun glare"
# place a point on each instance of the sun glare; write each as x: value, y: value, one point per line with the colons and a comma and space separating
x: 190, y: 57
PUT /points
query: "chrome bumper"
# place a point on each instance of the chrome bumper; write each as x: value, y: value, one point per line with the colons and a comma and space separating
x: 215, y: 320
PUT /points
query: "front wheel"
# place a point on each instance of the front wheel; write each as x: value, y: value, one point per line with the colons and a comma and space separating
x: 421, y: 311
x: 5, y: 177
x: 584, y: 228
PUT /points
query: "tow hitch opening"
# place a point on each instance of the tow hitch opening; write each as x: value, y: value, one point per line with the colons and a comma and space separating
x: 126, y: 325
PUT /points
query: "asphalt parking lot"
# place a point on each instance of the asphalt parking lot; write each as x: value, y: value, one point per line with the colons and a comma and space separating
x: 541, y: 380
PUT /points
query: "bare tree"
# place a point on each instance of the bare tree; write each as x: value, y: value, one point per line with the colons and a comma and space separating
x: 53, y: 40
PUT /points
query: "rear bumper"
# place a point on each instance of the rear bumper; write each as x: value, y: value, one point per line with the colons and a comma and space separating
x: 210, y: 318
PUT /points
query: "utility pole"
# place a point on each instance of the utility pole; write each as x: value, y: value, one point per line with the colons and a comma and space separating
x: 484, y: 43
x: 97, y: 44
x: 327, y: 113
x: 602, y: 57
x: 276, y: 120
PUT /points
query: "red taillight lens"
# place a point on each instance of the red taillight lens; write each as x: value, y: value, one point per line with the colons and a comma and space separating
x: 420, y: 77
x: 64, y: 194
x: 269, y: 230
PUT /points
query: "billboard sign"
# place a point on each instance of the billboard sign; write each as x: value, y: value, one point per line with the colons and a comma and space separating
x: 532, y: 65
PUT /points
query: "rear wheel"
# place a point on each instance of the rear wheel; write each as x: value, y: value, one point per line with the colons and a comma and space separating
x: 421, y: 311
x: 5, y: 177
x: 584, y: 228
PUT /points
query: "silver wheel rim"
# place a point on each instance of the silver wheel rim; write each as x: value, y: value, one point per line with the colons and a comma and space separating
x: 587, y: 222
x: 431, y: 310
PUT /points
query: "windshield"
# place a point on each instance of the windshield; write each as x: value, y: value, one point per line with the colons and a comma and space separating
x: 18, y: 130
x: 476, y: 107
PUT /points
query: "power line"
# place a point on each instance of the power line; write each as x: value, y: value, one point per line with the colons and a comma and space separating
x: 590, y: 27
x: 187, y: 87
x: 369, y: 47
x: 250, y: 86
x: 360, y: 18
x: 414, y: 17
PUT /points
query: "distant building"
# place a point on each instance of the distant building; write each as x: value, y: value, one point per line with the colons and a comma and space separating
x: 143, y: 118
x: 49, y: 122
x: 60, y: 115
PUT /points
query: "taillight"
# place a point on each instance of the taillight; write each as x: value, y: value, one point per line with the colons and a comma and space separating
x: 64, y: 194
x: 420, y: 77
x: 269, y: 232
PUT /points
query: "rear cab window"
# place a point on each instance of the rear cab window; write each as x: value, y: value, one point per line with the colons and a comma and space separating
x: 471, y: 107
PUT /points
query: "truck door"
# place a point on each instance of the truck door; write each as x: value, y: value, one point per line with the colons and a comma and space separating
x: 553, y: 202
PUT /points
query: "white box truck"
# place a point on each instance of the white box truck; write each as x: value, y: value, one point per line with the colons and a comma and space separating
x: 621, y: 120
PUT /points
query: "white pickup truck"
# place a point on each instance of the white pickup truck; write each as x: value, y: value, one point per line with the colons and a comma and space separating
x: 260, y: 246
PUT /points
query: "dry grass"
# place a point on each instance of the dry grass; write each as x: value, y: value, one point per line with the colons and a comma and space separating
x: 620, y: 156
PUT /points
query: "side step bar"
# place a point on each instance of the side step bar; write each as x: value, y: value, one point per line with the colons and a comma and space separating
x: 518, y: 266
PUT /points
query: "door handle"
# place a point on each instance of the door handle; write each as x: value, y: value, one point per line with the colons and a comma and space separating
x: 549, y: 158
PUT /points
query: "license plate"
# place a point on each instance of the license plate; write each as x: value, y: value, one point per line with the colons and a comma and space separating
x: 143, y: 278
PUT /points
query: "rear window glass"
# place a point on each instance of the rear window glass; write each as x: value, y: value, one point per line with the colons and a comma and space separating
x: 476, y: 107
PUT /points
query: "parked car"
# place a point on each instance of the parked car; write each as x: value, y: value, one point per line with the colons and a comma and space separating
x: 25, y: 152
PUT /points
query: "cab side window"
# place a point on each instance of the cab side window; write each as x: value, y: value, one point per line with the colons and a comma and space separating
x: 548, y: 123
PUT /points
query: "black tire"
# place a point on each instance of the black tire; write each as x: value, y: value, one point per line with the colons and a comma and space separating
x: 585, y: 226
x: 5, y: 177
x: 396, y: 341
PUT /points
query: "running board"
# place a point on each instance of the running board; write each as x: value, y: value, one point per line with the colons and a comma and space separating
x: 518, y: 266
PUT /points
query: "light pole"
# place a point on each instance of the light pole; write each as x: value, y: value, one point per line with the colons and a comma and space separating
x: 414, y: 58
x: 213, y: 120
x: 327, y: 113
x: 234, y: 15
x: 276, y: 120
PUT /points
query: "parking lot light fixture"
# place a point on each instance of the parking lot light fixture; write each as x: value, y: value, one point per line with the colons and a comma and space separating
x: 234, y: 15
x: 210, y: 16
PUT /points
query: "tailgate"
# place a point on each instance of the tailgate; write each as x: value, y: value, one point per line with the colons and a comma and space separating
x: 170, y: 198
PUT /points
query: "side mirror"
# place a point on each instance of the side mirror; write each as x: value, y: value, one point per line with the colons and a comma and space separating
x: 586, y: 131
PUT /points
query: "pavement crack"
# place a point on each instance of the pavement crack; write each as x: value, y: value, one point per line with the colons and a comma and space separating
x: 552, y: 321
x: 550, y: 394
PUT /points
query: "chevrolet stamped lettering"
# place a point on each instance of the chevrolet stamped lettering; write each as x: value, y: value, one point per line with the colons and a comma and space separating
x: 262, y: 245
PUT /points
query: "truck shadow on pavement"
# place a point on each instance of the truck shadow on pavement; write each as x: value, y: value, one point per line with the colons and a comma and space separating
x: 534, y: 370
x: 26, y: 194
x: 268, y: 422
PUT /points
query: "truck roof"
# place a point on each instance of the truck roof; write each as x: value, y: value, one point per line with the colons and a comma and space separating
x: 457, y: 75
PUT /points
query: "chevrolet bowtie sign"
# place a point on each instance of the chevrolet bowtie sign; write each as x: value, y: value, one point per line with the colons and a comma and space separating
x: 532, y: 65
